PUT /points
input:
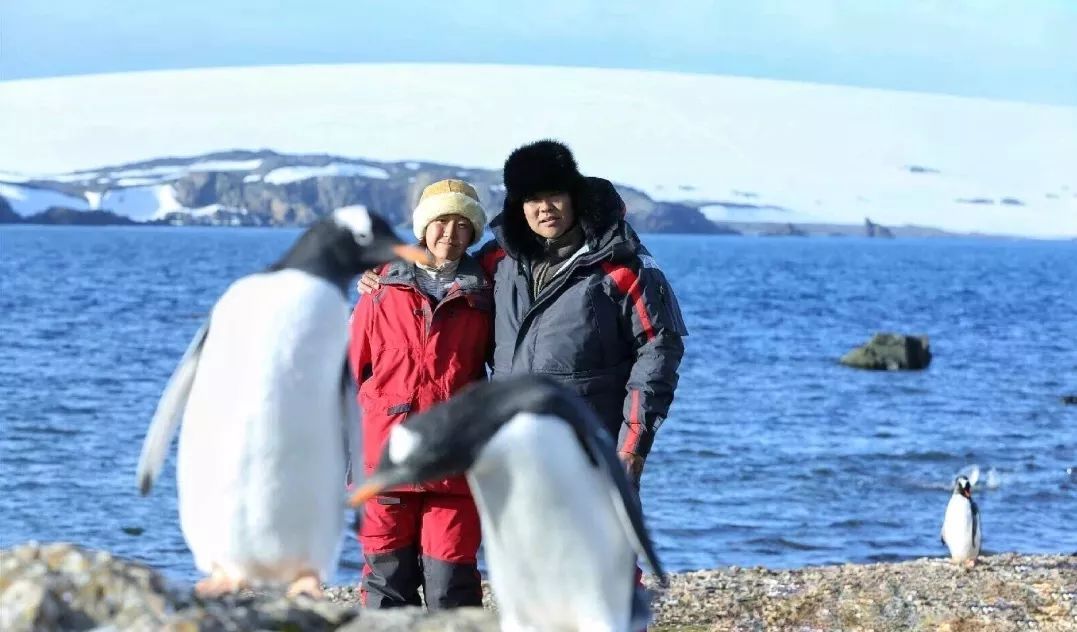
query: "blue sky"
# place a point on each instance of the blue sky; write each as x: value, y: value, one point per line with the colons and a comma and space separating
x: 1022, y: 50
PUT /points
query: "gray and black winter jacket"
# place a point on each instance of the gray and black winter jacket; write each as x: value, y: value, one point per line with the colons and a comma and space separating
x: 607, y: 324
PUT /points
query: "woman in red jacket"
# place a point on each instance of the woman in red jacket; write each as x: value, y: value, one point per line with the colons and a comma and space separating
x: 418, y: 340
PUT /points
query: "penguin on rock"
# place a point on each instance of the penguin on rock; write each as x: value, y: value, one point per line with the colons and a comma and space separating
x: 961, y: 525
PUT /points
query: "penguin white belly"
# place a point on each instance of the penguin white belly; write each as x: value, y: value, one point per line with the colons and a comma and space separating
x: 569, y: 567
x: 261, y: 462
x: 957, y: 529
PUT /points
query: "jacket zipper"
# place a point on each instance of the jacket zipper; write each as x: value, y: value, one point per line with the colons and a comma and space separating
x: 547, y: 294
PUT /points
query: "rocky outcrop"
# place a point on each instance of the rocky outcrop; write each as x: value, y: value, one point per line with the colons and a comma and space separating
x: 61, y: 586
x: 302, y: 201
x: 296, y: 189
x: 871, y: 229
x: 66, y: 587
x: 784, y: 230
x: 8, y: 214
x: 890, y: 352
x: 74, y: 217
x: 670, y: 217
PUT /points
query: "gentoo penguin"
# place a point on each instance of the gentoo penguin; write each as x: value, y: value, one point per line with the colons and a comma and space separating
x: 961, y: 526
x: 561, y: 528
x: 269, y: 415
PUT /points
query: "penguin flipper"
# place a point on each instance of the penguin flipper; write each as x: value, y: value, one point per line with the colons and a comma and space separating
x: 351, y: 425
x: 975, y: 526
x: 626, y: 503
x: 166, y: 418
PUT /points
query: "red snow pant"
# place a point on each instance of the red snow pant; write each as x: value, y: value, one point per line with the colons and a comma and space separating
x: 413, y: 539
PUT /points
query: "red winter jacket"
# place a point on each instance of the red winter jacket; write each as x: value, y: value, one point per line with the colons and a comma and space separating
x: 408, y: 354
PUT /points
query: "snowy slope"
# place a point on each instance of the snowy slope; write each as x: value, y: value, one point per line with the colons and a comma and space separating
x: 285, y: 175
x: 29, y: 200
x: 810, y: 152
x: 140, y: 203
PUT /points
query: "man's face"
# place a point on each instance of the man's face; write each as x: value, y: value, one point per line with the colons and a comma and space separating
x: 549, y: 213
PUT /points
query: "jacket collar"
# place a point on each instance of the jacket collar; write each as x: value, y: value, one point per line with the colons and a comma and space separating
x: 616, y: 241
x: 469, y: 274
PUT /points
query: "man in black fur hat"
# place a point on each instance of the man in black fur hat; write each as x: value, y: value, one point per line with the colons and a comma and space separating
x: 578, y: 298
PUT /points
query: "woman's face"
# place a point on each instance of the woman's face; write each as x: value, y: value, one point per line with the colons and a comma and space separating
x: 447, y: 237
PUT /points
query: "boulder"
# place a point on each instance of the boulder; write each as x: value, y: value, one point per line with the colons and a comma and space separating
x: 871, y: 229
x: 890, y: 352
x: 62, y: 586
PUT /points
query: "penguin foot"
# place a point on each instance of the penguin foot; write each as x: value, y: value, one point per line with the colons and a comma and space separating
x: 218, y: 584
x: 970, y: 563
x: 306, y: 584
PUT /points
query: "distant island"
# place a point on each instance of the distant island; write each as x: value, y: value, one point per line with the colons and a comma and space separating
x: 267, y: 188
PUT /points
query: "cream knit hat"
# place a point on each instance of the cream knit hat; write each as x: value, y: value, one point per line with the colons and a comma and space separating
x: 448, y: 197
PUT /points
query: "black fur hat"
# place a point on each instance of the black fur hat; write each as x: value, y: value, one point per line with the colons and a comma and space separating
x: 545, y: 165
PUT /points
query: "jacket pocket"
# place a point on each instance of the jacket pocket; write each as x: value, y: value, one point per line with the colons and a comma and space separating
x: 594, y: 381
x: 380, y: 414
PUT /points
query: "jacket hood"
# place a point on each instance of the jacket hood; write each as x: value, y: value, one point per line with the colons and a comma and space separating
x: 599, y: 210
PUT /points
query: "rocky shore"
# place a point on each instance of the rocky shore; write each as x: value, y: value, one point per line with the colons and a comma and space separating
x: 61, y: 586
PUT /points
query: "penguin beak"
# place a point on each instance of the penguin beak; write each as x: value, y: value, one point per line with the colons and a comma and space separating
x: 386, y: 247
x: 378, y: 483
x: 413, y: 254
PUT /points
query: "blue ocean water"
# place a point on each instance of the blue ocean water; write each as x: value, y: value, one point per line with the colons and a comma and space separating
x: 773, y: 454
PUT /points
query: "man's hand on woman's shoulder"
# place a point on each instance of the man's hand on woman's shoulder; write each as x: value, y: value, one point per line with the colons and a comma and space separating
x: 368, y: 283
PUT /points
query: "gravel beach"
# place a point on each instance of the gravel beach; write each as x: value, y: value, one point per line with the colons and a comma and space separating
x: 1003, y: 592
x: 61, y: 586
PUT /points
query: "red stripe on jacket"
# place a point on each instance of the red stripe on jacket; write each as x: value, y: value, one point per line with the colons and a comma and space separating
x: 628, y: 283
x: 490, y: 259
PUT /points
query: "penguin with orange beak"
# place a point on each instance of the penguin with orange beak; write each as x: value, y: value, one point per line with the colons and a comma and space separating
x: 562, y: 527
x: 268, y: 412
x: 961, y: 526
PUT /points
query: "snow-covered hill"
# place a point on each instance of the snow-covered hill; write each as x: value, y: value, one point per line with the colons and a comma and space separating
x: 745, y: 149
x: 263, y: 188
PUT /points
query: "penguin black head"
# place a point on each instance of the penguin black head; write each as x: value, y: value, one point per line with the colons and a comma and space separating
x: 448, y: 439
x: 345, y: 243
x: 963, y: 486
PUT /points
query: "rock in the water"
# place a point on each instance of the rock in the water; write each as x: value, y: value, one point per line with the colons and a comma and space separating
x: 890, y: 352
x: 1070, y: 400
x: 66, y: 587
x: 871, y: 229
